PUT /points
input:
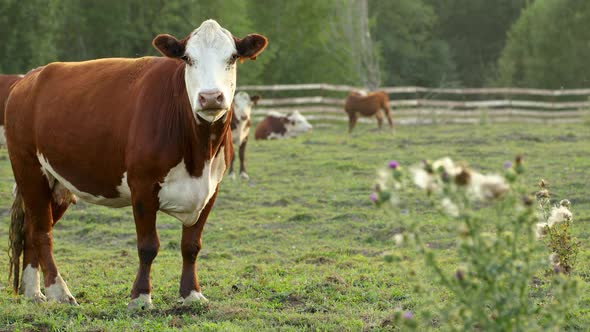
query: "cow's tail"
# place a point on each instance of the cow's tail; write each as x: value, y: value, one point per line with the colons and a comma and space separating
x: 16, y: 238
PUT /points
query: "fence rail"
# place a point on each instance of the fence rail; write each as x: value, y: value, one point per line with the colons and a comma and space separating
x: 414, y: 105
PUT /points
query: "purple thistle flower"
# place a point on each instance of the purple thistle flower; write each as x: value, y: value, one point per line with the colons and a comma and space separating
x: 393, y: 164
x: 373, y: 197
x: 408, y: 315
x: 507, y: 165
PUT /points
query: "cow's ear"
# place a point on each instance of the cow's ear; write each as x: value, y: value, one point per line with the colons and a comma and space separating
x: 255, y: 99
x: 170, y: 46
x: 250, y: 46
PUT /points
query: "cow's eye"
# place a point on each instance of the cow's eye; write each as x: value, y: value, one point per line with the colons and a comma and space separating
x: 187, y: 59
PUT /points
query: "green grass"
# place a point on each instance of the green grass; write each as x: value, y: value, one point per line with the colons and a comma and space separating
x: 299, y: 246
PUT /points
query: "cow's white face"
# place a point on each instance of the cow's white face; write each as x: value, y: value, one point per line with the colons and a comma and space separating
x: 210, y: 53
x: 243, y: 105
x: 210, y: 73
x: 297, y: 124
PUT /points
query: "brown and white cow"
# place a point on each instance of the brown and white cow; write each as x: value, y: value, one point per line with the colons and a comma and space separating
x: 6, y: 83
x: 151, y: 132
x: 240, y: 128
x: 278, y: 126
x: 367, y: 104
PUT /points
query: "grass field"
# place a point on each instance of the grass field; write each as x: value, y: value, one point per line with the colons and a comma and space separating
x: 299, y: 246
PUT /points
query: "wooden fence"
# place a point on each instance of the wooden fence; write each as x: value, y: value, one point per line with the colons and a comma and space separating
x: 417, y: 105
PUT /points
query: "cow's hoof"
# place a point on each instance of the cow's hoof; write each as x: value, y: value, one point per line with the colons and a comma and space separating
x: 37, y: 298
x: 232, y: 175
x: 194, y: 297
x: 140, y: 303
x: 244, y: 176
x: 59, y: 292
x: 67, y: 299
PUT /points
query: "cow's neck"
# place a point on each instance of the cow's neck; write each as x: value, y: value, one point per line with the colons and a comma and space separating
x: 214, y: 134
x: 201, y: 140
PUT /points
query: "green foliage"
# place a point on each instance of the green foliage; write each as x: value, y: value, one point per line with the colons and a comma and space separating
x: 38, y: 32
x: 416, y: 42
x: 475, y: 31
x: 29, y: 31
x: 412, y: 54
x: 547, y: 47
x: 301, y: 47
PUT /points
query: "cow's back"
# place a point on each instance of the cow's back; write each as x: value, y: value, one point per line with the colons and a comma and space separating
x: 83, y: 113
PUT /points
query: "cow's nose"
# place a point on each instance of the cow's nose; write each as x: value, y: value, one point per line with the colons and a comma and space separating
x: 211, y: 99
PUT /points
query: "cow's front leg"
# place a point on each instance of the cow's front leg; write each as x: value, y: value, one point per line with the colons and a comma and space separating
x: 231, y: 173
x: 351, y: 121
x: 190, y: 291
x: 145, y: 206
x: 243, y: 174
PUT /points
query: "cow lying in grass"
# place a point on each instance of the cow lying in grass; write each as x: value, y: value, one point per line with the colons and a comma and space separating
x: 278, y: 126
x: 367, y: 104
x: 240, y: 128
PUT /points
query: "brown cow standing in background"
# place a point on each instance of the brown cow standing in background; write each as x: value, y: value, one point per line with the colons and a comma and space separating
x: 6, y: 82
x: 360, y: 104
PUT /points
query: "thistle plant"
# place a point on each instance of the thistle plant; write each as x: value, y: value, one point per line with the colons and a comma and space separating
x: 554, y: 228
x: 499, y: 256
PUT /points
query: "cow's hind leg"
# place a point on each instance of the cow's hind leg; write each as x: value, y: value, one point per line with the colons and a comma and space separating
x: 388, y: 114
x: 38, y: 240
x: 30, y: 285
x: 190, y: 291
x: 379, y: 117
x: 21, y: 241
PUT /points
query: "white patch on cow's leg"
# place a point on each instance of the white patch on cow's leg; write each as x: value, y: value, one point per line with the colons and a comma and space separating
x: 244, y: 176
x: 193, y: 297
x: 59, y: 292
x: 232, y: 175
x: 142, y: 302
x: 31, y: 284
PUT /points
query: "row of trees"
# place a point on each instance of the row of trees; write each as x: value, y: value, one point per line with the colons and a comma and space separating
x: 533, y: 43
